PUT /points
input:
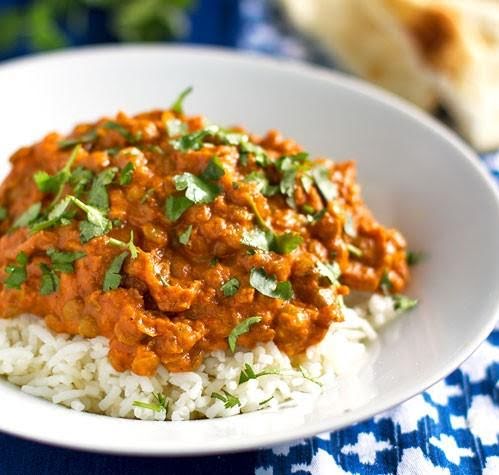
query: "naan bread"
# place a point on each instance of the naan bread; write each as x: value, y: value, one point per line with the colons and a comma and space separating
x: 429, y: 51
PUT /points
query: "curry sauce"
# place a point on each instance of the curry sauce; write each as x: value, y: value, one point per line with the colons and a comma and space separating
x: 173, y: 238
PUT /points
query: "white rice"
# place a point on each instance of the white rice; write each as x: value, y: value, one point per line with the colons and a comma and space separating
x: 75, y: 372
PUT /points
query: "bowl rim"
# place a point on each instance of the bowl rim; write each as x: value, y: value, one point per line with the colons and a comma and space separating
x: 306, y: 70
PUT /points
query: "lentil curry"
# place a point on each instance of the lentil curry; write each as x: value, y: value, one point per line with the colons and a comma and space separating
x: 174, y: 238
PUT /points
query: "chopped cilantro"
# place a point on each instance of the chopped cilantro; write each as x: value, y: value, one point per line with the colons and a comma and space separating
x: 50, y: 281
x: 307, y: 182
x: 248, y: 373
x: 98, y: 196
x: 28, y: 216
x: 194, y: 140
x: 95, y: 225
x: 214, y: 261
x: 113, y: 151
x: 246, y: 148
x: 175, y: 206
x: 184, y: 236
x: 55, y: 183
x: 267, y: 285
x: 63, y: 261
x: 285, y: 243
x: 126, y: 174
x: 403, y: 303
x: 123, y: 131
x: 196, y: 188
x: 80, y: 178
x: 228, y: 399
x: 148, y: 193
x: 214, y: 170
x: 130, y: 246
x: 112, y: 277
x: 178, y: 105
x: 3, y: 213
x: 327, y: 188
x: 87, y: 137
x: 230, y: 287
x: 413, y: 258
x: 289, y: 166
x: 59, y: 215
x: 269, y: 241
x: 385, y: 282
x: 175, y: 127
x: 159, y: 404
x: 241, y: 329
x: 262, y: 183
x: 307, y: 376
x: 312, y: 215
x: 354, y: 250
x: 331, y: 272
x: 256, y: 238
x: 17, y: 273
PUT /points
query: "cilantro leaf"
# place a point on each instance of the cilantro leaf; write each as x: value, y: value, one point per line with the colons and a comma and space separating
x: 228, y: 399
x: 413, y: 258
x: 196, y: 189
x: 286, y: 243
x: 184, y: 236
x: 354, y: 250
x: 80, y: 178
x: 87, y: 137
x: 17, y: 274
x: 175, y: 206
x: 248, y: 373
x: 126, y: 174
x: 98, y: 195
x: 385, y: 282
x: 214, y: 170
x: 241, y: 329
x: 178, y: 104
x: 267, y: 285
x: 256, y: 238
x: 175, y: 127
x: 350, y: 227
x: 3, y: 213
x: 112, y: 277
x: 63, y: 261
x: 50, y: 280
x: 160, y: 403
x: 55, y: 183
x: 95, y: 225
x: 262, y: 183
x: 194, y: 140
x: 403, y: 303
x: 331, y: 272
x: 28, y: 216
x: 246, y: 148
x: 327, y: 188
x: 230, y: 287
x: 123, y: 131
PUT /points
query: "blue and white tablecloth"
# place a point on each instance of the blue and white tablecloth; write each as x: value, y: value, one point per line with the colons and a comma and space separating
x: 453, y: 428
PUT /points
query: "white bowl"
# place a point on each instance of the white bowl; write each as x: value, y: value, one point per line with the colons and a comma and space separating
x: 416, y: 176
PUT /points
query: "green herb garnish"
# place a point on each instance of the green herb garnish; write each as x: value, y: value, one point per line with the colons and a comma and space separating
x: 98, y: 196
x: 184, y: 236
x: 112, y: 277
x: 385, y: 282
x: 123, y: 131
x: 413, y: 258
x: 175, y: 128
x: 307, y: 376
x: 148, y: 193
x: 55, y: 183
x: 267, y: 285
x: 228, y: 399
x: 175, y: 206
x: 214, y: 170
x: 248, y: 373
x: 126, y: 174
x: 130, y: 246
x: 160, y: 404
x: 327, y: 188
x: 262, y: 403
x: 178, y: 105
x: 50, y: 280
x: 28, y: 216
x: 59, y: 215
x: 230, y: 287
x: 64, y: 261
x: 194, y: 140
x: 262, y: 183
x: 80, y: 178
x: 403, y: 303
x: 354, y: 250
x: 241, y: 329
x: 17, y: 273
x: 269, y: 241
x: 196, y: 189
x: 3, y: 213
x: 87, y: 137
x: 331, y: 272
x: 349, y: 227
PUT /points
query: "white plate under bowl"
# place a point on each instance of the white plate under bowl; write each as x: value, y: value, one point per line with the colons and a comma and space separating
x: 416, y: 176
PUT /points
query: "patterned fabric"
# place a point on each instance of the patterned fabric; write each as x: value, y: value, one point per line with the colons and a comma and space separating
x: 452, y: 428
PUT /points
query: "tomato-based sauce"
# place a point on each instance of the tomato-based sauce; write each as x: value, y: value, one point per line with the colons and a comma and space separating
x: 164, y: 235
